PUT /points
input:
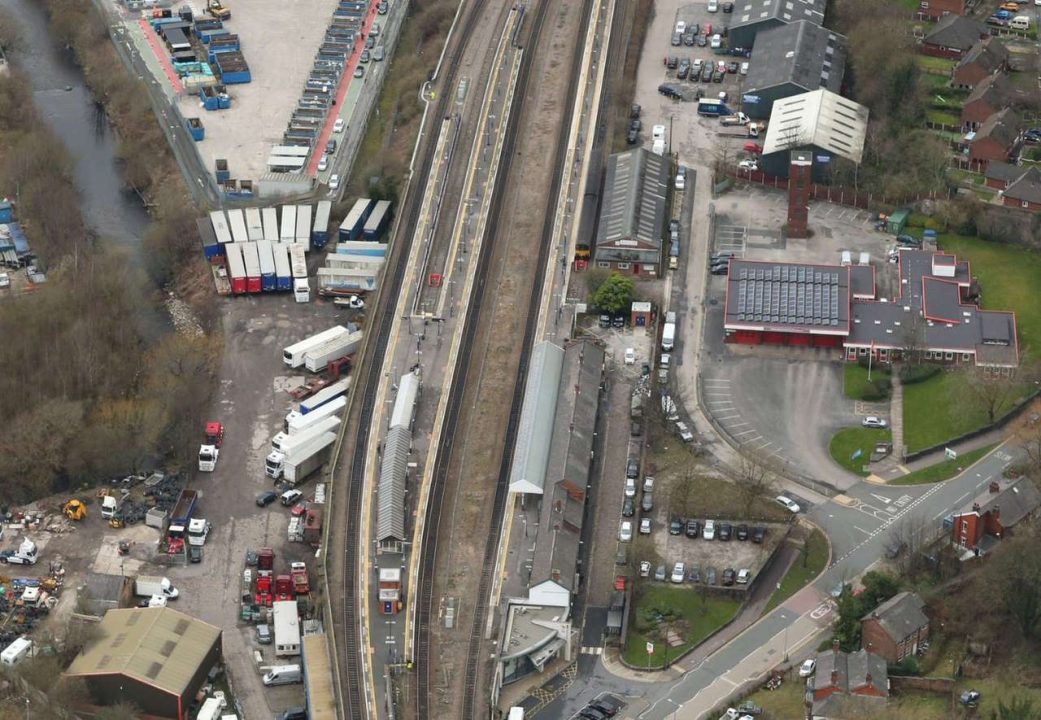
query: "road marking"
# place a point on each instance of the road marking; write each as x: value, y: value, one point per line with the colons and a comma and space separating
x: 882, y: 498
x: 734, y: 425
x: 592, y: 650
x: 862, y: 530
x: 744, y: 432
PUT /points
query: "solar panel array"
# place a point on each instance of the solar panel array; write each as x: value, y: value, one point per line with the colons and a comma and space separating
x: 789, y: 294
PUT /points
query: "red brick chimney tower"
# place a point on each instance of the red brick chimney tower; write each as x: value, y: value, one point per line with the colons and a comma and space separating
x: 800, y: 171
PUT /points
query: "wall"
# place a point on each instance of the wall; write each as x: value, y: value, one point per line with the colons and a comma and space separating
x: 937, y: 685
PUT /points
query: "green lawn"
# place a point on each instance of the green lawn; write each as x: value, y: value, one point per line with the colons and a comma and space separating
x: 944, y: 407
x: 805, y: 568
x: 942, y: 117
x: 935, y: 84
x: 935, y: 65
x: 694, y: 616
x: 856, y: 385
x: 1009, y: 277
x: 846, y: 442
x: 942, y: 470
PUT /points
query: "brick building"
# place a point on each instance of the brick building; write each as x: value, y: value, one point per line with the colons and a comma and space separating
x: 632, y: 213
x: 1025, y: 192
x: 952, y: 37
x: 997, y: 139
x: 844, y: 680
x: 986, y: 522
x: 987, y: 57
x: 999, y: 175
x: 992, y: 95
x: 940, y: 8
x: 896, y: 628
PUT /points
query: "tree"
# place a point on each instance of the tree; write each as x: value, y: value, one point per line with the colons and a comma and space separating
x: 755, y: 478
x: 615, y: 294
x: 1017, y: 568
x: 878, y: 587
x: 990, y: 393
x: 847, y: 628
x: 1028, y: 437
x: 683, y: 491
x: 909, y: 536
x: 912, y: 336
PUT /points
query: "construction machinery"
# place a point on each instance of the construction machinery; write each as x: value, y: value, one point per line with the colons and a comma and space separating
x: 218, y: 11
x: 74, y: 510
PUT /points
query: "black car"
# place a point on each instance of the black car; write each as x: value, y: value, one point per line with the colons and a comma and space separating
x: 674, y: 225
x: 728, y: 576
x: 195, y: 553
x: 721, y: 269
x: 636, y: 124
x: 721, y: 257
x: 591, y: 713
x: 689, y: 37
x: 668, y: 91
x: 676, y: 527
x: 618, y: 322
x: 266, y: 498
x: 632, y: 468
x: 742, y: 532
x: 728, y: 7
x: 628, y: 507
x: 605, y: 321
x: 706, y: 73
x: 725, y: 530
x: 683, y: 72
x: 733, y: 67
x: 632, y: 137
x: 717, y: 76
x: 671, y: 62
x: 702, y: 41
x: 758, y: 534
x: 603, y: 707
x: 909, y: 241
x: 634, y: 111
x: 693, y: 528
x: 695, y: 573
x: 636, y: 428
x: 295, y: 713
x: 251, y: 558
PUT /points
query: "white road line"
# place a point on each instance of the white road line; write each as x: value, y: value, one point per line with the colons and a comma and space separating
x: 862, y: 530
x: 743, y: 432
x: 734, y: 425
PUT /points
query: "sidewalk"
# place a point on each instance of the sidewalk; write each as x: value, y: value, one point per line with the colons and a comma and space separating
x: 894, y: 469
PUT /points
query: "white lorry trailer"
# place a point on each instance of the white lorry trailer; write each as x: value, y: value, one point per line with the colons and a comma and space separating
x: 297, y: 422
x: 317, y: 358
x: 293, y: 356
x: 295, y: 466
x: 149, y: 585
x: 285, y: 442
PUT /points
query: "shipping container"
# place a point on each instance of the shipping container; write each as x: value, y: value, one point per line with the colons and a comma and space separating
x: 237, y: 220
x: 325, y: 395
x: 298, y: 261
x: 254, y: 225
x: 270, y: 220
x: 352, y: 225
x: 236, y: 268
x: 283, y: 270
x: 288, y: 234
x: 303, y: 226
x: 318, y: 357
x: 293, y: 355
x: 268, y: 281
x: 377, y: 222
x: 320, y: 230
x: 210, y: 247
x: 251, y: 258
x: 220, y: 226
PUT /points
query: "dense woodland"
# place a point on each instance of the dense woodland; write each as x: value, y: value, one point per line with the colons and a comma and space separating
x: 83, y: 394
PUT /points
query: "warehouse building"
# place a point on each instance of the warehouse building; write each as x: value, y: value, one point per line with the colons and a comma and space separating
x: 822, y: 122
x: 157, y: 658
x: 789, y: 60
x: 632, y: 213
x: 754, y: 16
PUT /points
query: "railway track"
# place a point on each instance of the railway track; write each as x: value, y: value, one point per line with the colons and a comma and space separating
x: 352, y: 678
x: 426, y: 610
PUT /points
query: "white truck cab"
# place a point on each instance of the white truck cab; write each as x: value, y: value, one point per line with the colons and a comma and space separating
x: 301, y: 290
x: 208, y: 458
x: 198, y: 529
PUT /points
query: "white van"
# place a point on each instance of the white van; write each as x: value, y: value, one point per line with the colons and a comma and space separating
x: 1019, y: 22
x: 16, y: 652
x: 283, y: 675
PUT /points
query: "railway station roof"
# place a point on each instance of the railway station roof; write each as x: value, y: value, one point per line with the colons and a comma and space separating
x: 535, y: 430
x: 390, y: 498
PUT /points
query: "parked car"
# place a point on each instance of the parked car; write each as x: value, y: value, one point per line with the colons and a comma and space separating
x: 728, y: 7
x: 264, y: 634
x: 872, y: 421
x: 717, y: 41
x: 694, y: 575
x: 289, y: 497
x: 728, y: 577
x: 684, y: 432
x: 758, y: 534
x: 323, y: 163
x: 668, y: 91
x: 625, y: 531
x: 744, y: 68
x: 709, y: 531
x: 702, y: 40
x: 636, y: 428
x: 677, y: 38
x: 681, y: 178
x: 645, y: 526
x: 741, y: 532
x: 713, y: 6
x: 605, y: 321
x: 294, y: 713
x: 679, y: 573
x: 754, y: 148
x: 628, y: 507
x: 659, y: 574
x: 632, y: 136
x: 733, y: 67
x: 603, y: 707
x: 725, y: 531
x: 647, y: 501
x: 334, y: 181
x: 645, y: 569
x: 788, y: 504
x: 359, y: 71
x: 722, y: 269
x: 266, y: 498
x: 693, y: 528
x: 676, y: 527
x: 909, y: 241
x: 748, y: 164
x: 630, y: 356
x: 690, y: 36
x: 630, y: 487
x: 723, y: 256
x: 195, y: 553
x: 365, y: 56
x: 710, y: 576
x: 717, y: 76
x: 807, y: 668
x: 743, y: 576
x: 671, y: 62
x: 632, y: 468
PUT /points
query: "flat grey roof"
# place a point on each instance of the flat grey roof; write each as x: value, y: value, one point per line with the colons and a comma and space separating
x: 390, y: 496
x: 819, y: 118
x: 535, y: 430
x: 787, y: 297
x: 802, y: 53
x: 632, y: 212
x: 751, y: 12
x: 862, y: 281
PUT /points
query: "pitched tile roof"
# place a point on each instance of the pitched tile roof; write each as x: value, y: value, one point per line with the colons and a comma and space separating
x: 956, y: 31
x: 1027, y: 187
x: 1002, y: 127
x: 988, y: 54
x: 900, y: 615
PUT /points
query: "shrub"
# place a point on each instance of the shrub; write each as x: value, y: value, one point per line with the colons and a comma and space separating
x: 911, y: 374
x: 907, y: 666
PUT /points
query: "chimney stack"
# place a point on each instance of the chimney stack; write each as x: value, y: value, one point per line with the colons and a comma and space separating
x: 867, y: 678
x: 835, y: 646
x: 834, y: 678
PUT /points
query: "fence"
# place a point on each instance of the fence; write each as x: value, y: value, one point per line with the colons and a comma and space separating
x: 837, y: 194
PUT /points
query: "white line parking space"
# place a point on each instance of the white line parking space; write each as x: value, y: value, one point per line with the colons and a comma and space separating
x: 731, y: 238
x: 720, y: 404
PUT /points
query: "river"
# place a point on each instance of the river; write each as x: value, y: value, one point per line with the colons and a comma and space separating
x: 65, y: 102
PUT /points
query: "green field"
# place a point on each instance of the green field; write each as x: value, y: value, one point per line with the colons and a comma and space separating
x: 847, y: 441
x: 694, y: 616
x: 855, y: 382
x: 805, y: 568
x: 935, y: 65
x: 942, y: 117
x: 942, y: 470
x: 1009, y: 277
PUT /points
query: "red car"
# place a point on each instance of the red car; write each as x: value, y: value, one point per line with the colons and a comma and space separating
x: 754, y: 148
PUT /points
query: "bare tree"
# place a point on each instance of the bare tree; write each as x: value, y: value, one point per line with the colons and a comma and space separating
x: 912, y: 337
x: 907, y: 539
x: 990, y: 393
x: 683, y: 491
x: 1028, y: 437
x: 756, y: 478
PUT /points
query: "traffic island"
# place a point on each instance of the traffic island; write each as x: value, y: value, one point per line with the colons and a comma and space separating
x: 852, y: 447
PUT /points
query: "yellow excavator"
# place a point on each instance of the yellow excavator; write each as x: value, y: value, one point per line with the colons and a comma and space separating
x: 74, y: 510
x: 218, y: 11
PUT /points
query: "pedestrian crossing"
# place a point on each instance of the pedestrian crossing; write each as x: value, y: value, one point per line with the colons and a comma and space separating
x: 592, y: 650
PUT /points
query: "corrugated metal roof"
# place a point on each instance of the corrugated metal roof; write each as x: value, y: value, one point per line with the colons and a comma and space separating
x: 390, y: 498
x: 405, y: 402
x: 633, y: 208
x: 820, y: 118
x: 535, y: 431
x: 321, y: 704
x: 158, y: 646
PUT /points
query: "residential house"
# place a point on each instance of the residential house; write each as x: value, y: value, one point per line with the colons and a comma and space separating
x: 953, y: 36
x: 986, y: 57
x: 1006, y: 502
x: 997, y: 139
x: 1025, y: 192
x: 941, y: 8
x: 896, y: 628
x: 992, y: 95
x: 844, y: 680
x: 999, y: 175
